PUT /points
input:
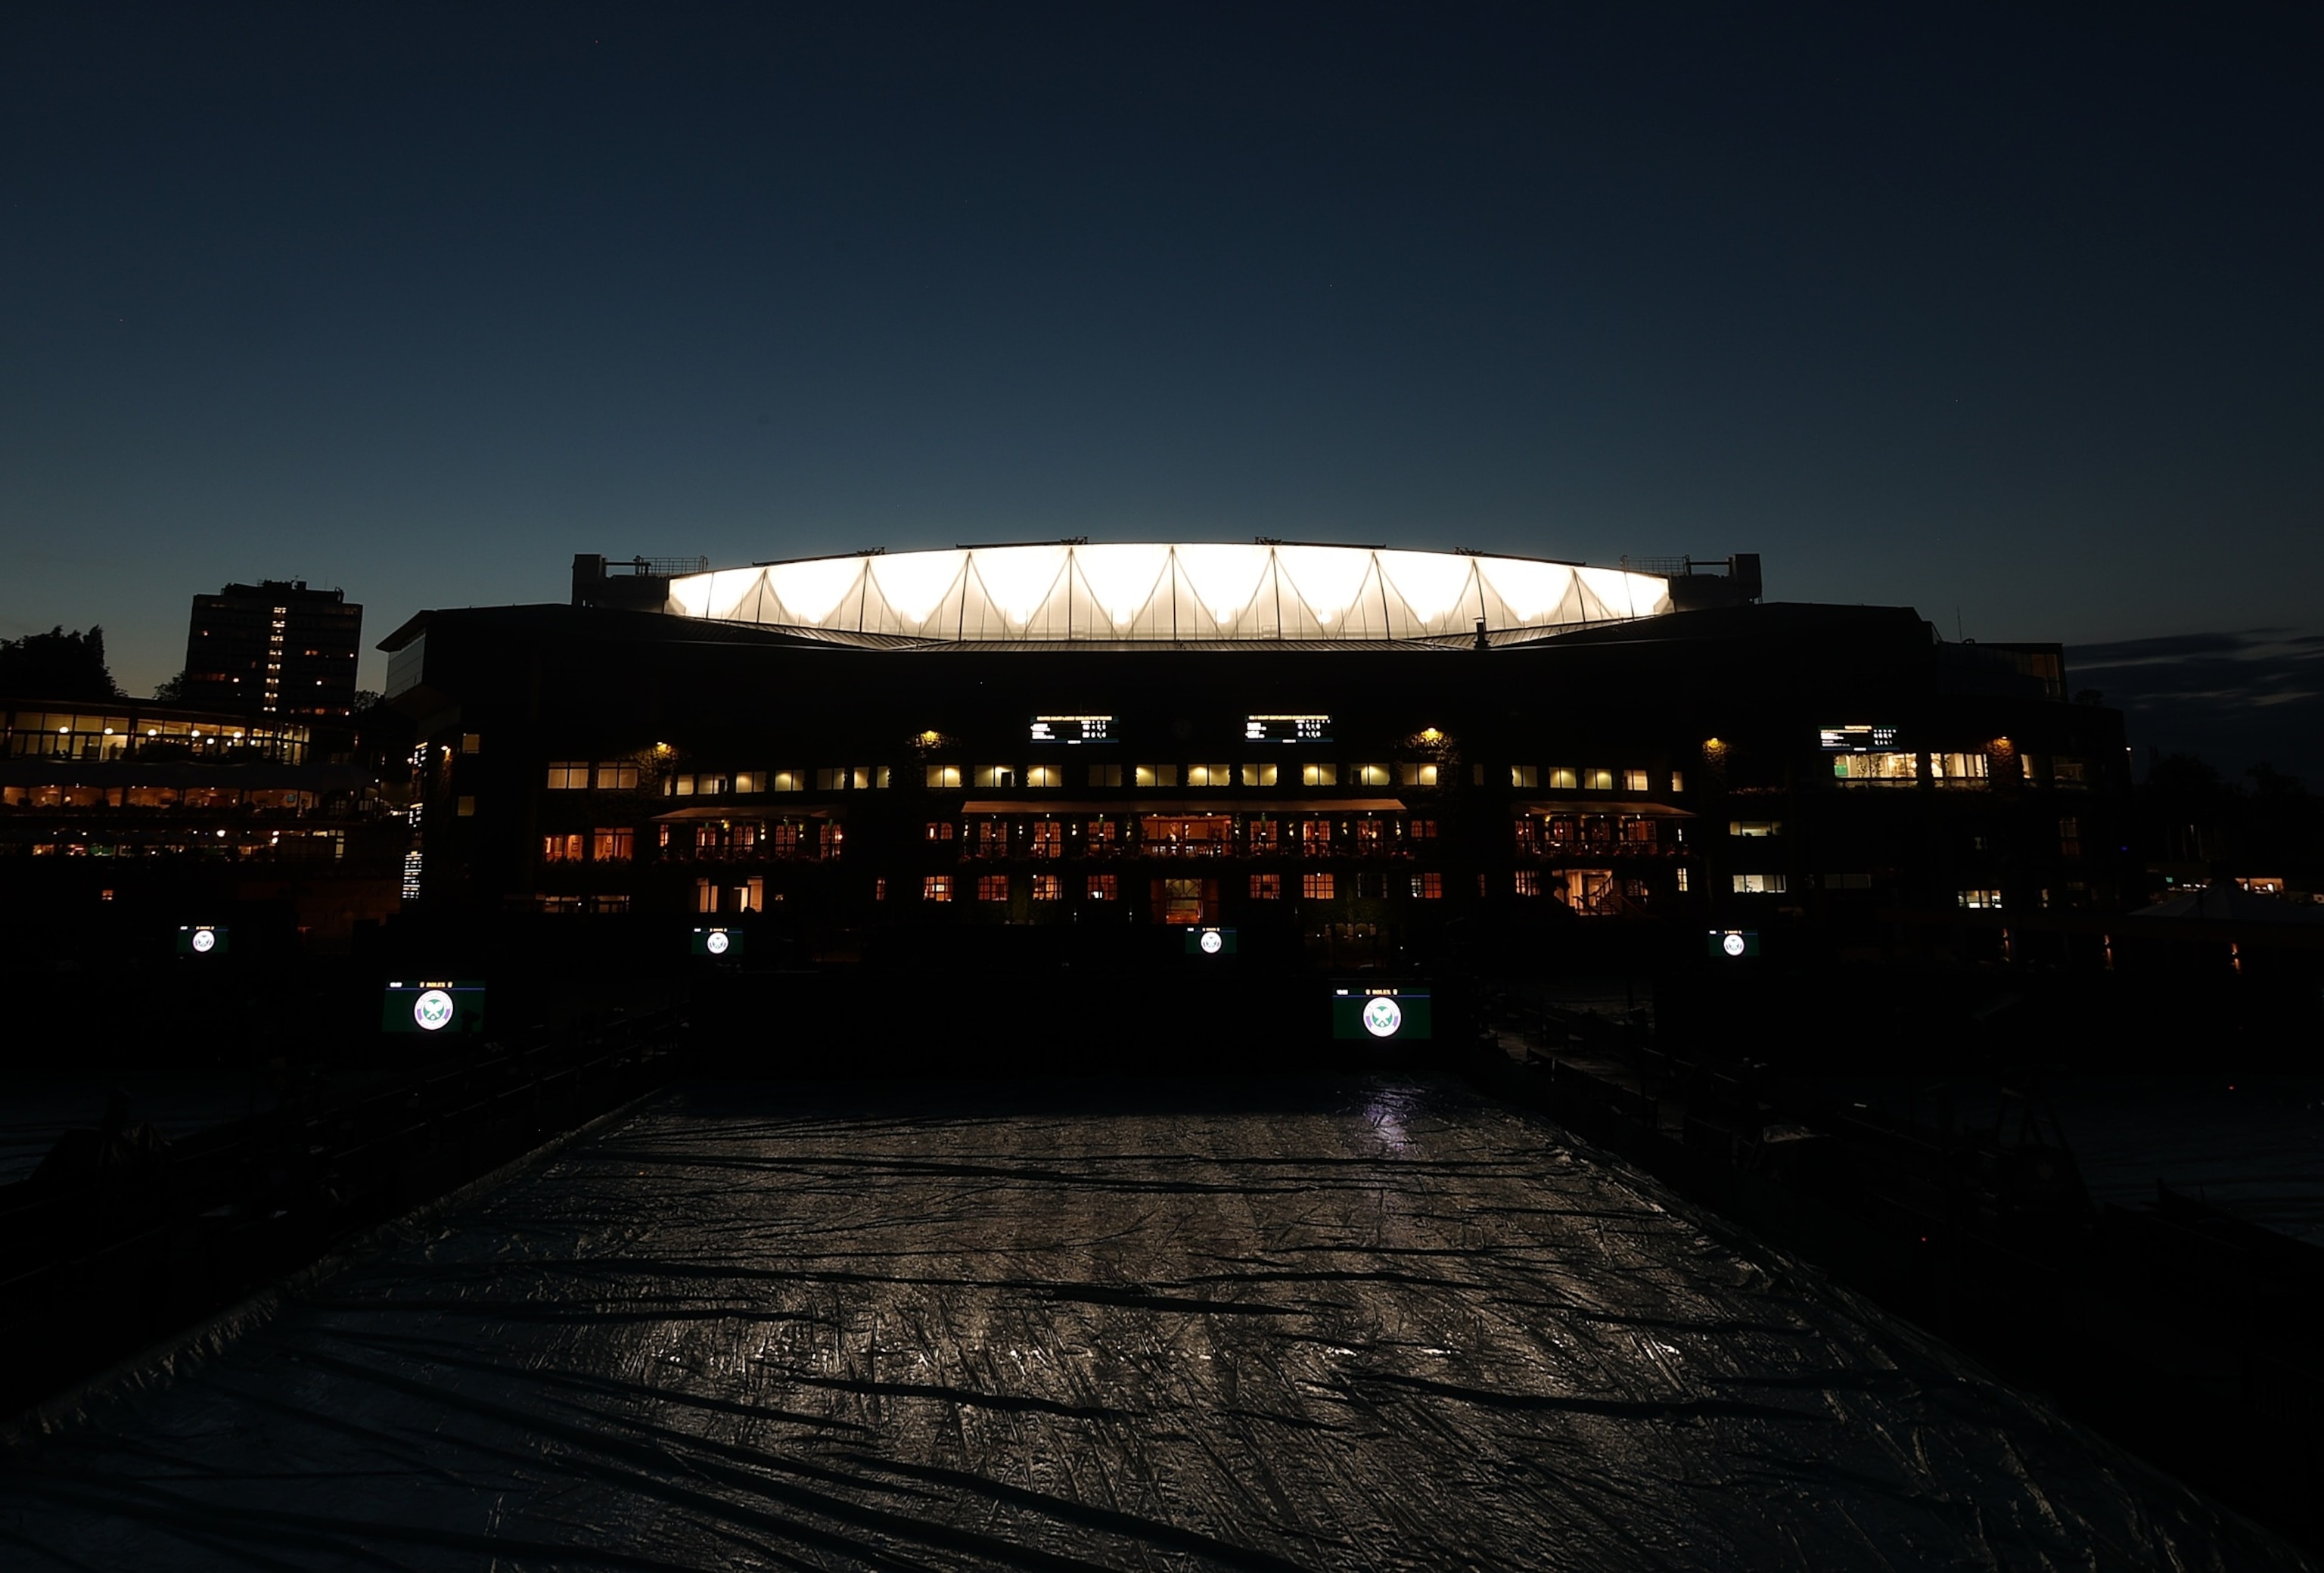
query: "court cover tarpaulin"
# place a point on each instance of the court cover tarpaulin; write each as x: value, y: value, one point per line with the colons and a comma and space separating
x: 1379, y: 1325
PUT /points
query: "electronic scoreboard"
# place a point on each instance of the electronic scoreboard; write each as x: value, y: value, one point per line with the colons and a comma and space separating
x: 1380, y: 1012
x: 436, y: 1007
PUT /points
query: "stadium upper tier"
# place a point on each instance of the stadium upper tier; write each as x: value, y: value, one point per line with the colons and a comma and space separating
x: 1166, y: 593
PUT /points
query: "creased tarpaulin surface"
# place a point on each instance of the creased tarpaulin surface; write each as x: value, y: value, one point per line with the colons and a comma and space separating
x: 1311, y: 1325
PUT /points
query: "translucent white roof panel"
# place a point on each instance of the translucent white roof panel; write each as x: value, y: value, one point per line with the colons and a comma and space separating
x: 1155, y: 592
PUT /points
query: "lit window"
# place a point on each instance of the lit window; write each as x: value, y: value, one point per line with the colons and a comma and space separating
x: 1317, y: 887
x: 1758, y: 885
x: 1264, y: 836
x: 940, y: 830
x: 1527, y: 776
x: 1888, y: 769
x: 1105, y: 775
x: 2069, y: 838
x: 936, y: 887
x: 1678, y: 780
x: 783, y: 840
x: 568, y: 775
x: 1981, y: 899
x: 1428, y: 887
x: 991, y: 887
x: 681, y: 786
x: 1563, y: 778
x: 789, y: 780
x: 1210, y: 775
x: 1105, y: 887
x: 1372, y: 775
x: 560, y: 848
x: 1319, y: 776
x: 1048, y: 888
x: 1526, y: 882
x: 747, y: 781
x: 991, y: 839
x: 1045, y: 775
x: 1267, y: 887
x: 1260, y: 775
x: 1634, y: 780
x: 1421, y: 775
x: 1682, y: 882
x: 1598, y: 780
x: 1049, y: 838
x: 1315, y: 837
x: 996, y: 775
x: 1157, y: 775
x: 713, y: 785
x: 1958, y: 770
x: 470, y: 742
x: 939, y: 775
x: 705, y: 894
x: 611, y: 844
x: 1424, y: 832
x: 880, y: 888
x: 1755, y: 829
x: 2068, y: 773
x: 617, y: 775
x: 463, y: 807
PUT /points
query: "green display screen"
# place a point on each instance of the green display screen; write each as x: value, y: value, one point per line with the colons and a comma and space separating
x: 717, y: 943
x: 201, y: 939
x: 1209, y: 941
x: 435, y: 1008
x: 1380, y: 1013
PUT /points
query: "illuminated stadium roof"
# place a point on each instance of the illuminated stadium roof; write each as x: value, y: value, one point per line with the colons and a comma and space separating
x: 1186, y: 593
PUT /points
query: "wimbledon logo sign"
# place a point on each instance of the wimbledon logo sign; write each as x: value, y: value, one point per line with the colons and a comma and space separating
x: 1382, y: 1016
x: 432, y: 1011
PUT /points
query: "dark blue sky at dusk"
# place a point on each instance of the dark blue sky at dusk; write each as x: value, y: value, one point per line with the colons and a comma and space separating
x: 2013, y: 318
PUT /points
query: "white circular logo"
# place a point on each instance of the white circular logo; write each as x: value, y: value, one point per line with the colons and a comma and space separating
x: 717, y: 942
x: 432, y: 1011
x: 204, y: 941
x: 1382, y: 1016
x: 1732, y: 944
x: 1211, y: 942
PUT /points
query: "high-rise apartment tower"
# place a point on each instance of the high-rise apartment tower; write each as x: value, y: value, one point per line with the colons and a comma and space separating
x: 275, y: 648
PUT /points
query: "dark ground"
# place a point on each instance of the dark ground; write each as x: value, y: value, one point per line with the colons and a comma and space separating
x: 1308, y: 1323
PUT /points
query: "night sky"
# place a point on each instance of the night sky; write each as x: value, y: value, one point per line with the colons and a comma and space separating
x: 2015, y: 319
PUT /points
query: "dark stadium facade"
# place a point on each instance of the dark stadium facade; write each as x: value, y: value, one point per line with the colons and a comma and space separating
x: 1665, y: 751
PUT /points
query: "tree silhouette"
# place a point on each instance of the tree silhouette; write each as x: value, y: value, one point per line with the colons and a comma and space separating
x: 57, y: 665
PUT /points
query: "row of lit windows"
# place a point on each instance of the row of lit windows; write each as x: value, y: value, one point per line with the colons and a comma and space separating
x: 1106, y: 887
x: 1971, y: 769
x: 578, y: 775
x: 258, y: 799
x: 1564, y: 777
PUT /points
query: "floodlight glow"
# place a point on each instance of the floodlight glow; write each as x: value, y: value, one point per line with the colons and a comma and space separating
x: 1143, y: 590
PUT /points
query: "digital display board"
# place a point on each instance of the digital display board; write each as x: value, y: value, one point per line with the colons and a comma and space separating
x: 433, y: 1007
x: 1209, y: 941
x: 1286, y: 728
x: 1380, y: 1013
x: 1734, y: 944
x: 1072, y: 728
x: 1858, y: 739
x: 201, y: 939
x: 717, y: 942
